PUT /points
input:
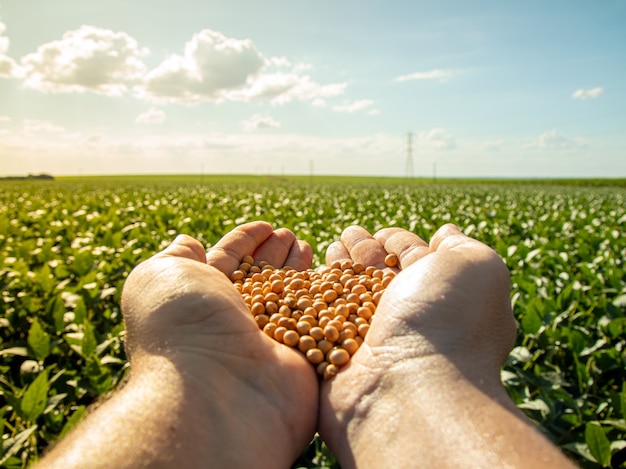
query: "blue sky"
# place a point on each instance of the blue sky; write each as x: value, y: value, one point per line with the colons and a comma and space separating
x: 485, y: 88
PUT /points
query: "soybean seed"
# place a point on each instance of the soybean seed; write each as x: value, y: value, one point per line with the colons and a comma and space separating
x: 324, y: 313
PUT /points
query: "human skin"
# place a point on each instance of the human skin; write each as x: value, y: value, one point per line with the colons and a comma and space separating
x: 206, y: 388
x: 424, y: 389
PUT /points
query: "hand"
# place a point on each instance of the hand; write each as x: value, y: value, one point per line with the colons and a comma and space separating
x: 450, y: 299
x: 260, y: 396
x: 425, y: 384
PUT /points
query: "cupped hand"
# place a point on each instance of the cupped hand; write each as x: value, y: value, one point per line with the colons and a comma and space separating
x: 181, y: 305
x: 448, y: 305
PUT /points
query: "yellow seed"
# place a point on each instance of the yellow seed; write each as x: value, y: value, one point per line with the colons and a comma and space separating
x: 323, y: 321
x: 350, y: 326
x: 305, y: 343
x: 325, y: 346
x: 237, y: 275
x: 262, y: 320
x: 329, y: 295
x: 291, y: 338
x: 303, y: 303
x: 336, y: 324
x: 283, y: 322
x: 303, y: 327
x: 257, y: 308
x: 331, y: 333
x: 315, y: 356
x: 271, y: 307
x: 278, y: 286
x: 364, y: 312
x: 350, y: 345
x: 269, y: 329
x: 279, y: 332
x: 310, y: 319
x: 317, y: 333
x: 330, y: 371
x: 346, y: 334
x: 338, y: 356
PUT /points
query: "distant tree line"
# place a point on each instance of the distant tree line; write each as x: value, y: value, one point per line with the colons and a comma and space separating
x: 29, y: 177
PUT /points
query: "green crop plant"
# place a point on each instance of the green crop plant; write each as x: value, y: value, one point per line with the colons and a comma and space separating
x: 66, y: 247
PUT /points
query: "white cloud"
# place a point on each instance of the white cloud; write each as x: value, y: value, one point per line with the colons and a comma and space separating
x: 214, y: 67
x: 5, y: 118
x: 38, y: 126
x: 259, y: 122
x: 492, y: 145
x: 8, y: 67
x: 152, y: 116
x: 283, y: 87
x: 438, y: 139
x: 86, y: 59
x: 587, y: 94
x: 211, y: 63
x: 435, y: 74
x: 554, y: 140
x: 355, y: 106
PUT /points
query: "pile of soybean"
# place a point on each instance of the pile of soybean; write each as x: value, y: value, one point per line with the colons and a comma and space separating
x: 325, y: 313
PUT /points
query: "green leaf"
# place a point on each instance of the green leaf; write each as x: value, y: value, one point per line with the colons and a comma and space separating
x: 38, y: 340
x: 80, y: 311
x: 89, y: 343
x: 2, y: 422
x: 99, y: 376
x: 12, y: 446
x: 35, y: 398
x: 598, y: 443
x: 83, y: 262
x: 532, y: 318
x: 623, y: 400
x: 73, y: 420
x: 45, y: 279
x: 57, y: 311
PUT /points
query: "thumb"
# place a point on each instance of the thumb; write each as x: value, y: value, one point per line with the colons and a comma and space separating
x: 187, y: 247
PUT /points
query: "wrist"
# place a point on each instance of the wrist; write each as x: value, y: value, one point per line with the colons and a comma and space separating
x: 415, y: 399
x: 227, y: 421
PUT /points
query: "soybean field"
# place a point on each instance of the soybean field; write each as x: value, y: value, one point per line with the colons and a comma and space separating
x: 67, y: 246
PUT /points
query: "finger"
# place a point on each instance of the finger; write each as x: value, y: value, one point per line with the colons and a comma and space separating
x: 229, y: 251
x: 275, y: 249
x: 362, y: 246
x: 406, y: 245
x: 185, y: 246
x: 300, y: 256
x: 336, y: 251
x: 448, y: 237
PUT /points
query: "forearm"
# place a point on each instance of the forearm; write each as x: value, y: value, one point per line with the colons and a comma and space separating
x: 163, y: 419
x: 141, y: 425
x: 408, y: 418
